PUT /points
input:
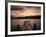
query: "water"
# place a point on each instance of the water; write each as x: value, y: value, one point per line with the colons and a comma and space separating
x: 20, y: 22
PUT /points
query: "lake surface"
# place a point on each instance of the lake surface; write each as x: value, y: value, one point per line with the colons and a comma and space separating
x: 20, y: 22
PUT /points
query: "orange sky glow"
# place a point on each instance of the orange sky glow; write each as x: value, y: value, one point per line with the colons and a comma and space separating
x: 33, y: 11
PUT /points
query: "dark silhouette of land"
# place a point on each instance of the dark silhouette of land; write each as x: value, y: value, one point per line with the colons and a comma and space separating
x: 26, y: 17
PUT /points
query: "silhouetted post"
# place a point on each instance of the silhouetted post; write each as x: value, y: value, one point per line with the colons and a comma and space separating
x: 17, y: 27
x: 34, y: 26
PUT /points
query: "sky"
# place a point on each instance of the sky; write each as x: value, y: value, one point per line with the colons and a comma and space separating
x: 22, y: 11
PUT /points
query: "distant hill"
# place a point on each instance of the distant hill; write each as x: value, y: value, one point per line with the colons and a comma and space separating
x: 26, y: 17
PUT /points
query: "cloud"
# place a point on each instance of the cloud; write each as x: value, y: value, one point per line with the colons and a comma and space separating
x: 26, y: 11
